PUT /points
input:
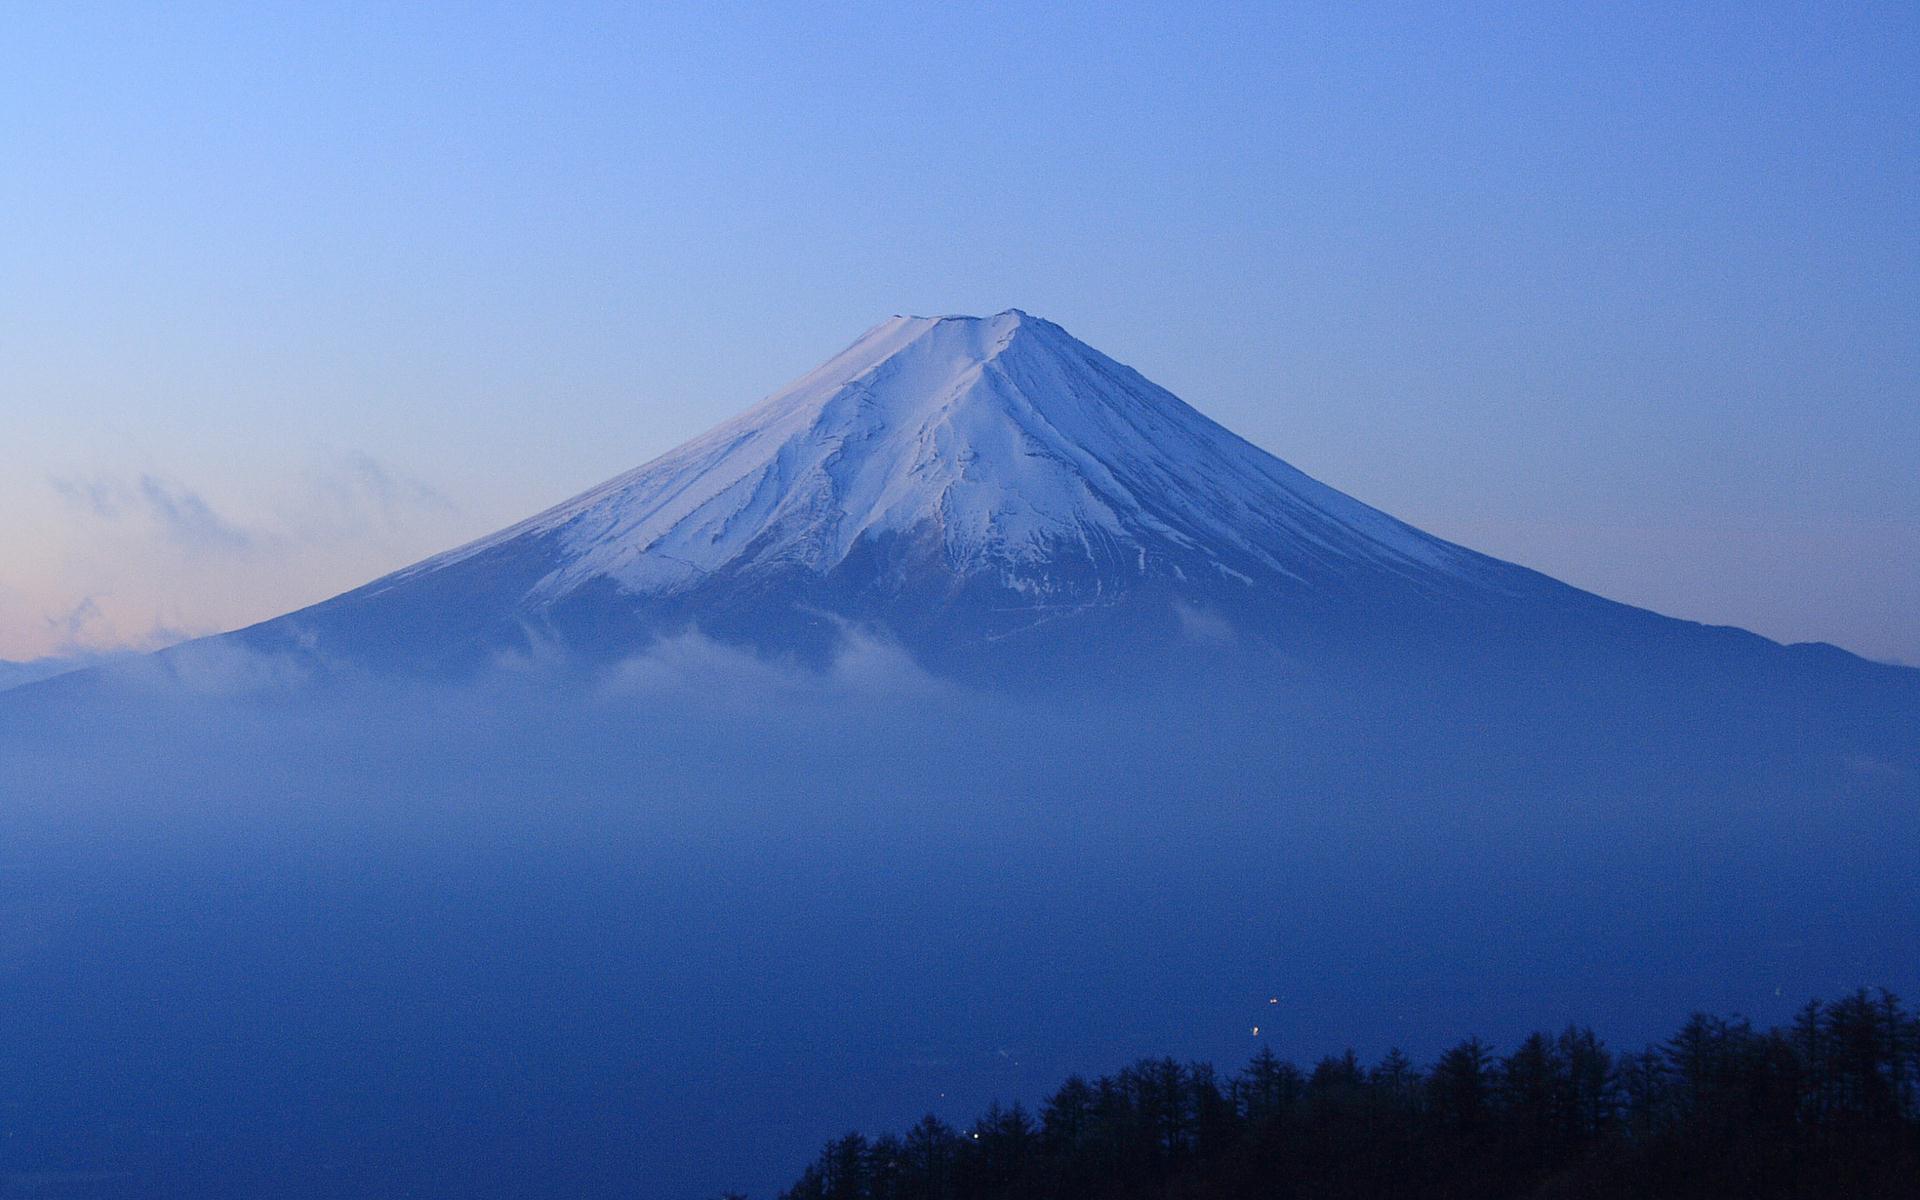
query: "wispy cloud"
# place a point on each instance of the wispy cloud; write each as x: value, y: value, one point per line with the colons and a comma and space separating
x: 182, y: 514
x: 101, y: 498
x: 188, y: 519
x: 392, y: 492
x: 71, y: 626
x: 145, y: 554
x: 357, y: 493
x: 347, y: 498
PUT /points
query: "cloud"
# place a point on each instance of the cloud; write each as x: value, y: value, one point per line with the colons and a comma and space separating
x: 391, y: 492
x: 356, y: 494
x: 71, y: 626
x: 1201, y: 625
x: 694, y: 666
x: 216, y: 667
x: 181, y: 514
x: 102, y: 498
x: 348, y: 498
x: 131, y: 558
x: 189, y: 520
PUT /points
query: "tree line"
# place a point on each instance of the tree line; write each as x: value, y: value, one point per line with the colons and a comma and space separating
x: 1827, y: 1107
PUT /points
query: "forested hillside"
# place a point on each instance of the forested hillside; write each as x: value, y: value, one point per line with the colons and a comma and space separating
x: 1829, y: 1107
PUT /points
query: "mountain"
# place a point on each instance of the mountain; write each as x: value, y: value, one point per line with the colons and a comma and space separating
x: 990, y: 493
x: 15, y: 674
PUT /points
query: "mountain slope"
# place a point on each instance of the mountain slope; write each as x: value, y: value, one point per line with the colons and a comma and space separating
x: 1009, y: 443
x: 957, y: 484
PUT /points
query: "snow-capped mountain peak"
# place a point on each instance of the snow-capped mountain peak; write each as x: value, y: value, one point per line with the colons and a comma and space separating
x: 1001, y: 446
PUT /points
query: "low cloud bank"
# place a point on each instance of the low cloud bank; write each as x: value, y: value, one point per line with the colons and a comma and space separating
x: 700, y: 882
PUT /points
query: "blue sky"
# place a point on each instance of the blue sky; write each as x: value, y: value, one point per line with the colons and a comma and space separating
x: 292, y: 295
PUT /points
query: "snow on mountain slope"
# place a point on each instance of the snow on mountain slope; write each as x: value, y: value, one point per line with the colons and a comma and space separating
x: 1003, y: 440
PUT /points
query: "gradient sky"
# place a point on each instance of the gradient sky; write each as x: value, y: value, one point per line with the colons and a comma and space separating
x: 292, y: 295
